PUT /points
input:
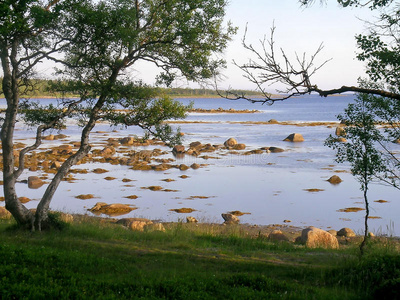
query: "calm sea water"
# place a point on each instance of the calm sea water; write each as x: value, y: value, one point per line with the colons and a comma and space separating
x: 270, y: 187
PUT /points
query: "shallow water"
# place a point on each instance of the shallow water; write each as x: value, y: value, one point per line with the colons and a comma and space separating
x: 270, y: 186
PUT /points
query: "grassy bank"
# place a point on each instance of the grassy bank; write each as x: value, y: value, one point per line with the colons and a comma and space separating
x: 98, y: 260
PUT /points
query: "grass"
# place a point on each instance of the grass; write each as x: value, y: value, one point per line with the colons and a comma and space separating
x: 92, y: 259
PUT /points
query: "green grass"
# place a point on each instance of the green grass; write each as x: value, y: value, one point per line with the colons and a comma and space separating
x: 97, y: 260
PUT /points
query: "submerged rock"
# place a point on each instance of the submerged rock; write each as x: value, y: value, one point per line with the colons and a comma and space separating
x: 115, y: 209
x: 24, y: 199
x: 183, y: 210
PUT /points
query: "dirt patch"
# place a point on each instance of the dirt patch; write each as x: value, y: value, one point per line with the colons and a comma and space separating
x: 132, y: 197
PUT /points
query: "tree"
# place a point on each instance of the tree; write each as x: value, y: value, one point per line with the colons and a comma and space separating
x: 99, y: 42
x: 366, y: 149
x: 372, y: 122
x: 379, y: 48
x: 25, y: 40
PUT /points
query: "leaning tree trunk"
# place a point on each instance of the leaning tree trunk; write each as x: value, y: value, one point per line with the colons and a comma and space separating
x: 41, y: 216
x: 10, y: 89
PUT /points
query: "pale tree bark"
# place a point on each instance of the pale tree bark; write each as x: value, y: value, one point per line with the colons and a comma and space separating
x: 10, y: 89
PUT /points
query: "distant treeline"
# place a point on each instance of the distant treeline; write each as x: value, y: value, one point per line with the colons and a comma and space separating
x: 40, y: 88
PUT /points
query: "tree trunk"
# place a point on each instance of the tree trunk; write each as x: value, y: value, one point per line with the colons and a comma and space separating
x: 41, y: 216
x: 366, y: 233
x: 10, y: 89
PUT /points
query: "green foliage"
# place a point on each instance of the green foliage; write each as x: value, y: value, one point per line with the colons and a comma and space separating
x: 372, y: 4
x: 371, y: 126
x: 95, y: 259
x: 361, y: 135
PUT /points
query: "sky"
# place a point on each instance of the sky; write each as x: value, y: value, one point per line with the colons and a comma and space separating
x: 300, y: 30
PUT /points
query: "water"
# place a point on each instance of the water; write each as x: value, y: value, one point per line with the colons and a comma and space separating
x: 271, y: 187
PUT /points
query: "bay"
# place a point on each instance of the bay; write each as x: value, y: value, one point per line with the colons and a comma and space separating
x: 271, y: 187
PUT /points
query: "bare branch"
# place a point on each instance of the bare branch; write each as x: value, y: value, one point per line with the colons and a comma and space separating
x: 295, y: 75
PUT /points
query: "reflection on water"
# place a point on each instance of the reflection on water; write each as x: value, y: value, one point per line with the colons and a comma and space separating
x: 270, y: 186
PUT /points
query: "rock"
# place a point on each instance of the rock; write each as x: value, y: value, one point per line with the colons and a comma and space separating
x: 346, y: 232
x: 135, y: 224
x: 24, y: 199
x: 127, y: 141
x: 335, y: 179
x: 183, y: 210
x: 108, y: 151
x: 294, y: 137
x: 50, y: 137
x: 277, y: 235
x: 231, y: 142
x: 230, y: 219
x: 239, y: 147
x: 34, y: 182
x: 333, y: 232
x: 178, y: 149
x: 341, y: 140
x: 192, y: 152
x: 196, y: 145
x: 340, y: 131
x: 60, y: 136
x: 195, y: 166
x: 313, y: 237
x: 275, y: 150
x: 183, y: 167
x: 191, y: 220
x: 66, y: 218
x: 115, y: 209
x: 65, y: 149
x: 145, y: 155
x: 208, y: 148
x: 4, y: 213
x: 55, y: 165
x: 99, y: 171
x: 273, y: 121
x: 154, y: 227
